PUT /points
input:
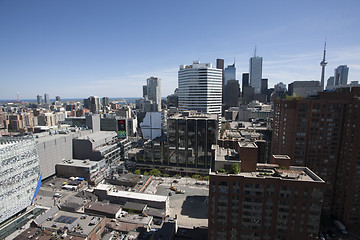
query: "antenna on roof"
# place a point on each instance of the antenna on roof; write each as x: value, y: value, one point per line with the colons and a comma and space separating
x: 255, y: 51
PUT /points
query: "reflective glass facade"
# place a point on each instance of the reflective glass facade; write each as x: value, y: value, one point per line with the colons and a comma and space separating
x: 19, y: 175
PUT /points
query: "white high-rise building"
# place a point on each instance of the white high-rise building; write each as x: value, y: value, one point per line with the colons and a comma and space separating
x: 153, y: 91
x: 200, y: 88
x: 256, y: 72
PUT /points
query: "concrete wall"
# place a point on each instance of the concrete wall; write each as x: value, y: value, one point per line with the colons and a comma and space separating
x: 54, y: 149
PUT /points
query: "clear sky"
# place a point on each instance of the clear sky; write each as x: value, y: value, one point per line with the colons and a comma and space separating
x: 78, y: 48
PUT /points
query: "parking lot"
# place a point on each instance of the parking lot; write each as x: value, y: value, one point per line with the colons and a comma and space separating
x: 191, y: 207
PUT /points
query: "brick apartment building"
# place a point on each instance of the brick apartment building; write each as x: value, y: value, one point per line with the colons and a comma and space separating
x: 263, y: 201
x: 322, y: 133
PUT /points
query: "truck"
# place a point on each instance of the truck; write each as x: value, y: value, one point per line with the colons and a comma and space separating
x: 340, y: 226
x: 173, y: 188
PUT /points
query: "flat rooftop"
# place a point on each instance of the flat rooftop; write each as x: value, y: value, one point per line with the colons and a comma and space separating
x: 132, y: 195
x: 104, y: 207
x: 272, y: 171
x: 225, y: 154
x: 284, y: 157
x: 195, y: 115
x: 263, y: 170
x: 97, y: 136
x: 78, y: 163
x: 72, y: 221
x: 252, y: 134
x: 136, y: 219
x: 44, y: 137
x: 248, y: 144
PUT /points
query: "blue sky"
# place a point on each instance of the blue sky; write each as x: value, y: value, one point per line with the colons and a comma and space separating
x: 75, y: 49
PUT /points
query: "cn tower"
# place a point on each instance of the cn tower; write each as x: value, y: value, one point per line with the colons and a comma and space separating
x: 323, y: 64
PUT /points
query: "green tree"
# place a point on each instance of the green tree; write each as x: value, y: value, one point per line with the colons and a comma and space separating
x: 165, y: 175
x: 146, y: 173
x: 155, y: 172
x: 235, y: 168
x: 221, y: 170
x: 137, y: 171
x: 196, y: 176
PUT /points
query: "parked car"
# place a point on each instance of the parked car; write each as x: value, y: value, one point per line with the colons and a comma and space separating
x: 57, y: 195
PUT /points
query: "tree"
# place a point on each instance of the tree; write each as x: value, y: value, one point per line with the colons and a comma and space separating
x: 221, y: 170
x: 137, y: 171
x: 146, y: 173
x: 165, y: 175
x: 235, y: 168
x: 196, y: 176
x: 155, y: 172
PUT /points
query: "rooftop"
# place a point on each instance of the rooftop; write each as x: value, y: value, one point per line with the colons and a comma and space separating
x: 248, y: 144
x: 273, y: 171
x: 284, y: 157
x: 78, y: 163
x: 123, y: 226
x: 134, y: 195
x: 104, y: 207
x: 74, y: 222
x: 135, y: 206
x: 260, y: 170
x: 194, y: 115
x: 98, y: 136
x: 196, y: 64
x: 134, y: 218
x: 44, y: 137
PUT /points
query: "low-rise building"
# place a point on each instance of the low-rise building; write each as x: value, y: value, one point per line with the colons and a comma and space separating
x: 100, y: 146
x: 55, y: 148
x: 89, y: 170
x: 108, y: 210
x: 108, y: 192
x: 64, y: 224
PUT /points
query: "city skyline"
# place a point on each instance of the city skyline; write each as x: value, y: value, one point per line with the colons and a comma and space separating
x: 110, y: 49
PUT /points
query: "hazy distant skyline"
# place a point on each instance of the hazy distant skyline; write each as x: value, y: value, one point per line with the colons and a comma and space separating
x: 75, y: 49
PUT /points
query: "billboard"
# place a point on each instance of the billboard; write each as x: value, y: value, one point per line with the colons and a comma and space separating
x: 121, y: 128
